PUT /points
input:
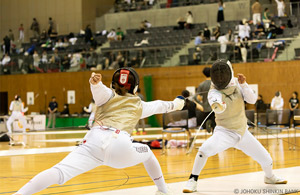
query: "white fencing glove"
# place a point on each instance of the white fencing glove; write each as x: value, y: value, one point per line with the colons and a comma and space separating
x: 178, y: 103
x: 218, y: 107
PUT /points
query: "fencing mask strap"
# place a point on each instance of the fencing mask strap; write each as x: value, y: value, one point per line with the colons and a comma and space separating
x: 221, y: 74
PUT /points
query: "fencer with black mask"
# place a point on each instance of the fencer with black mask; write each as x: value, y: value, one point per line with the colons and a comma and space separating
x: 226, y: 97
x: 109, y: 142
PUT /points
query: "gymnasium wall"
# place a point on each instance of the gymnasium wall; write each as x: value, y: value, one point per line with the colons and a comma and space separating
x: 205, y: 13
x: 68, y: 15
x: 167, y: 83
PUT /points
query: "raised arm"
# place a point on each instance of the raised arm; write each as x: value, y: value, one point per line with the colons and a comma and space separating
x: 101, y: 93
x: 248, y: 94
x: 160, y: 107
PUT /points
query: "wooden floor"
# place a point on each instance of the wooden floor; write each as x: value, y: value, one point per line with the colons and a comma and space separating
x: 16, y: 170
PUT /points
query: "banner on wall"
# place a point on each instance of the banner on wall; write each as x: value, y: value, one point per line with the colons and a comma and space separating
x: 71, y: 97
x: 30, y: 98
x: 33, y: 122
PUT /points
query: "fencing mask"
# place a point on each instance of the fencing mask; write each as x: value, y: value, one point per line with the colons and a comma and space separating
x: 126, y: 77
x: 221, y: 73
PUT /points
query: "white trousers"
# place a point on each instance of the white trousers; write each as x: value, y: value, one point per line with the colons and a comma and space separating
x: 223, y: 139
x: 16, y: 115
x: 256, y: 18
x: 103, y: 147
x: 244, y: 54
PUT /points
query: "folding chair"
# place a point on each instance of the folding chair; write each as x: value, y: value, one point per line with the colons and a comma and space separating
x: 175, y: 122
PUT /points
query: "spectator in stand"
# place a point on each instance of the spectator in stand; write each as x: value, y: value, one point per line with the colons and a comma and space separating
x: 75, y: 62
x: 65, y: 63
x: 293, y: 105
x: 88, y: 34
x: 147, y: 24
x: 55, y: 59
x: 6, y: 60
x: 256, y: 11
x: 260, y: 30
x: 35, y: 27
x: 220, y: 16
x: 44, y: 57
x: 206, y: 33
x: 112, y: 36
x: 66, y: 110
x: 280, y: 8
x: 198, y: 39
x: 120, y: 34
x: 44, y: 35
x: 266, y: 18
x: 59, y: 44
x: 50, y: 26
x: 230, y: 36
x: 217, y: 33
x: 181, y: 23
x: 237, y: 49
x: 189, y: 20
x: 21, y: 33
x: 223, y: 43
x: 7, y: 43
x: 197, y: 56
x: 66, y: 42
x: 244, y: 49
x: 11, y: 35
x: 244, y: 29
x: 142, y: 28
x: 36, y: 59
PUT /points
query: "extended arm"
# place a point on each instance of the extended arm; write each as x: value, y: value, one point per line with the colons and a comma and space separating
x: 24, y: 109
x: 160, y: 107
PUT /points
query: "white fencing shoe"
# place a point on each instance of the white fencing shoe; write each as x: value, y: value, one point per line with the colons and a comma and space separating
x: 161, y: 193
x: 275, y: 180
x: 190, y: 186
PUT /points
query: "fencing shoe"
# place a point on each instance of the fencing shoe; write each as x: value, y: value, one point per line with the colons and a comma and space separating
x: 275, y: 180
x: 190, y: 186
x: 161, y: 193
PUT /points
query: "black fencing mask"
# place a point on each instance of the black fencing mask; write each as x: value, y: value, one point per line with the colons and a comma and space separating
x: 221, y: 74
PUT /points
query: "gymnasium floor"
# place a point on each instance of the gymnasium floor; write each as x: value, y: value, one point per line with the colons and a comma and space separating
x: 230, y: 172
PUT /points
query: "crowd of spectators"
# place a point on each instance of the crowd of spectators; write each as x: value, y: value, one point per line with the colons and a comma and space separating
x: 132, y: 5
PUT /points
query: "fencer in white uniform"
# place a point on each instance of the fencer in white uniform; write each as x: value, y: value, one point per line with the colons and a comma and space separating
x: 91, y: 109
x: 109, y: 142
x: 17, y: 109
x: 226, y: 97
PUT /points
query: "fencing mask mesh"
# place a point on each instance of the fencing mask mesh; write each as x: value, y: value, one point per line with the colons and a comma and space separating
x: 221, y: 74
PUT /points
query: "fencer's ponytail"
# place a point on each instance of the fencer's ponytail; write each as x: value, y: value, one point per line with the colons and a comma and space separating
x: 120, y: 90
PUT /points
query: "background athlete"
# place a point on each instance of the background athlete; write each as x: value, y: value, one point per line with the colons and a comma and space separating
x: 226, y: 97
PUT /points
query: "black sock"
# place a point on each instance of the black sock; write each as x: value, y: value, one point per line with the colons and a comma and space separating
x: 195, y: 177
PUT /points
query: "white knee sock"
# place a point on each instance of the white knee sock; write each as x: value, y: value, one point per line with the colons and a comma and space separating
x: 41, y: 181
x: 268, y: 170
x: 153, y: 168
x: 199, y: 163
